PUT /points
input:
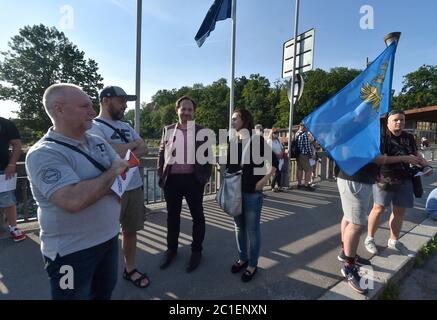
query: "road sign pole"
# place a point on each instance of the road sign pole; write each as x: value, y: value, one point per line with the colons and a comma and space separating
x: 290, y: 121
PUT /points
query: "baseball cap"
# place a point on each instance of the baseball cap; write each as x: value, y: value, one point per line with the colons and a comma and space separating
x: 113, y: 91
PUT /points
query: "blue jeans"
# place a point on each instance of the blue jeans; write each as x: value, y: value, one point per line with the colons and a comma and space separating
x: 94, y: 272
x: 247, y: 227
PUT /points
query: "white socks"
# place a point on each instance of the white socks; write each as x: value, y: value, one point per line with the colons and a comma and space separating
x: 392, y: 242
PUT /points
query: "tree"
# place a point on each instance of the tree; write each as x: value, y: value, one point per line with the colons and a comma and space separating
x: 38, y: 57
x: 419, y: 89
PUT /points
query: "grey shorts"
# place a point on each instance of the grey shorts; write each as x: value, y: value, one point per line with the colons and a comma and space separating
x: 303, y: 163
x: 7, y: 199
x: 355, y: 200
x: 403, y: 198
x: 132, y: 210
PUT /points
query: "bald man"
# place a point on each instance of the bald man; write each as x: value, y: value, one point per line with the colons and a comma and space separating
x: 71, y: 174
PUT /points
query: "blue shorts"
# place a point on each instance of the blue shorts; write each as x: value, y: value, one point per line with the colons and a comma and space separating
x: 7, y: 199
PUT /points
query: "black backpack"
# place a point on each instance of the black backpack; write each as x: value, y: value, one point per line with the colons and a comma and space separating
x: 294, y: 148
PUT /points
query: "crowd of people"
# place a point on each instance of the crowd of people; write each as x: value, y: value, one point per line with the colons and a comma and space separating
x: 73, y: 167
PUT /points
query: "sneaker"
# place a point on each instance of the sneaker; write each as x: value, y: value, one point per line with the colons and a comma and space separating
x: 358, y: 260
x: 354, y: 279
x: 309, y: 188
x: 401, y: 248
x: 17, y: 235
x: 370, y: 246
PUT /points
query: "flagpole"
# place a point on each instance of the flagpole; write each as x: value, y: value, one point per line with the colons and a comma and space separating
x: 231, y: 81
x: 138, y: 68
x: 296, y: 23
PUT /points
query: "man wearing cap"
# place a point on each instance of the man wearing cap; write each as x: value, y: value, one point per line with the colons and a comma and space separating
x: 122, y: 137
x: 71, y: 173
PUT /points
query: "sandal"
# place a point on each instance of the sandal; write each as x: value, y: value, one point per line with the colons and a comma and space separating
x: 137, y: 282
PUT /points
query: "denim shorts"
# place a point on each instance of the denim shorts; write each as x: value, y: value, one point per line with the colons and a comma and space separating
x: 403, y: 198
x: 7, y: 199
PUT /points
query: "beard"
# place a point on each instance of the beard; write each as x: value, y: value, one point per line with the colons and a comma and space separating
x: 114, y: 113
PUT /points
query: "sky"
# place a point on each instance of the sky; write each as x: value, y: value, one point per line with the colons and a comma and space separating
x: 346, y: 33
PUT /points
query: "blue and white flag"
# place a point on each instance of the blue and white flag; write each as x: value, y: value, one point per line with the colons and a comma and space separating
x: 347, y: 126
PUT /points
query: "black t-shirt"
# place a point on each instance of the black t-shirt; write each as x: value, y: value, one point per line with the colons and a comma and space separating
x: 249, y: 179
x: 404, y: 144
x: 8, y: 132
x: 366, y: 174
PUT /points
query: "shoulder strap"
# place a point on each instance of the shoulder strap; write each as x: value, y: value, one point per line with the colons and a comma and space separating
x: 119, y: 132
x: 90, y: 159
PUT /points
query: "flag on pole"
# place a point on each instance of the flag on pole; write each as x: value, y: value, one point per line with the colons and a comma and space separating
x: 220, y: 10
x: 347, y: 126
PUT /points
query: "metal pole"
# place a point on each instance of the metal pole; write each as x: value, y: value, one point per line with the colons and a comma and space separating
x: 296, y: 23
x: 138, y: 67
x: 231, y: 81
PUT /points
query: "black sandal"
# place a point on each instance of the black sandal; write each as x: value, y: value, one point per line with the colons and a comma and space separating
x: 137, y: 282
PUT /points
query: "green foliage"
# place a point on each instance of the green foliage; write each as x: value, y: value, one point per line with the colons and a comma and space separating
x: 38, y: 57
x: 419, y: 89
x: 391, y: 292
x: 426, y: 252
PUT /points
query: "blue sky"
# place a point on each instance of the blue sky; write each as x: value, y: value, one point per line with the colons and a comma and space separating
x: 105, y: 31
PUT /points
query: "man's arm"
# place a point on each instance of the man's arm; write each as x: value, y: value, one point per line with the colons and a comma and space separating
x: 141, y: 149
x: 76, y: 197
x: 384, y: 159
x: 121, y: 149
x: 11, y: 169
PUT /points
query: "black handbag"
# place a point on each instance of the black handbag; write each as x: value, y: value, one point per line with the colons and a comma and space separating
x: 417, y: 186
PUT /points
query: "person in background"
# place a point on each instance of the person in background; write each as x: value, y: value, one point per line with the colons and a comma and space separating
x: 9, y: 136
x: 278, y: 149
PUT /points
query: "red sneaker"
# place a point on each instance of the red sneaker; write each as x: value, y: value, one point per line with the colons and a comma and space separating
x: 17, y: 235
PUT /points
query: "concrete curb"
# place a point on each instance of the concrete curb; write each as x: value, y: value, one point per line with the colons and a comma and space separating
x: 388, y: 266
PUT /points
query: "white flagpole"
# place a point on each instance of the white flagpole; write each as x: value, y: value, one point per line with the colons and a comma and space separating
x: 138, y: 67
x: 231, y: 81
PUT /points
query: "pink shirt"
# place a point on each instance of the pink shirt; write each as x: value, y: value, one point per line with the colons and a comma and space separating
x: 182, y: 168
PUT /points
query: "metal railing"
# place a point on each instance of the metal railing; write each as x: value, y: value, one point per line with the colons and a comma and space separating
x: 26, y: 207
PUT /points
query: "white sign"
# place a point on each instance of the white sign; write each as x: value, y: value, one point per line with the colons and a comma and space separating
x: 8, y: 185
x: 304, y: 54
x: 122, y: 181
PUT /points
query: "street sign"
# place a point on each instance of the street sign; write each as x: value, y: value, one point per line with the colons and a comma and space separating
x: 305, y: 49
x: 298, y: 89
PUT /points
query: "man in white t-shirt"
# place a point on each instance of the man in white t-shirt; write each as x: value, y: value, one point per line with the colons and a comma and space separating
x: 121, y: 136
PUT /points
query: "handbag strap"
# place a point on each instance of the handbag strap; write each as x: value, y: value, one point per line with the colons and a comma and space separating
x: 118, y: 131
x: 90, y: 159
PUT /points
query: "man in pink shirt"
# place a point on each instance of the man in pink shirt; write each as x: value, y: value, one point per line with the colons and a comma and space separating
x: 181, y: 175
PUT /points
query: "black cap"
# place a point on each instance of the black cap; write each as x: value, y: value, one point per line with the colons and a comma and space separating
x: 113, y: 91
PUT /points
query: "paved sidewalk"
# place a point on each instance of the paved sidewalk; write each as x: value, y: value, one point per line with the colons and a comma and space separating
x: 300, y: 242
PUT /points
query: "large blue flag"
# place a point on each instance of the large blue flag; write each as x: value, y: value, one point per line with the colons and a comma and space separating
x: 220, y: 10
x: 347, y: 126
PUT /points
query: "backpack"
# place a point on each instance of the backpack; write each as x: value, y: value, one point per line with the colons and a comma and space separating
x: 294, y: 147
